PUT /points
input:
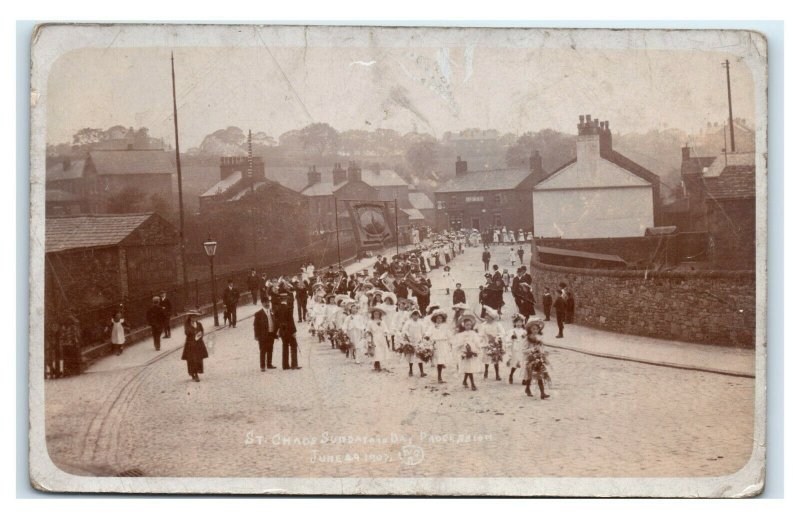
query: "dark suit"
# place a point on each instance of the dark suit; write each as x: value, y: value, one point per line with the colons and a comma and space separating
x: 301, y: 292
x: 265, y: 329
x: 459, y: 296
x: 166, y: 307
x: 286, y: 330
x: 547, y: 303
x: 155, y: 318
x: 230, y: 298
x: 561, y: 313
x: 253, y: 283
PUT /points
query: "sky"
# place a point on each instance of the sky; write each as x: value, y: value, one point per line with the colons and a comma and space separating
x: 424, y: 89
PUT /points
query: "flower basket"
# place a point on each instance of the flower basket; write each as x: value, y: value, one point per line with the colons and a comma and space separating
x: 469, y: 353
x: 495, y: 350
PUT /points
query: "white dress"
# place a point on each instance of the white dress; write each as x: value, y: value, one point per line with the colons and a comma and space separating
x: 117, y: 332
x: 472, y: 339
x: 487, y: 330
x: 520, y: 236
x: 514, y: 345
x: 354, y: 327
x: 379, y: 331
x: 441, y: 337
x: 413, y: 331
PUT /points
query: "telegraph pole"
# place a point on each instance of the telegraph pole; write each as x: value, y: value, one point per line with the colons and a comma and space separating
x: 727, y: 66
x: 180, y: 184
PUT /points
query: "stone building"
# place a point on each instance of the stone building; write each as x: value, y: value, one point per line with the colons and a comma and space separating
x: 599, y: 194
x: 255, y: 220
x: 108, y: 173
x: 95, y: 262
x: 489, y: 199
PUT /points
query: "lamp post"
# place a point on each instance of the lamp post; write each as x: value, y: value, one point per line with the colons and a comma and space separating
x: 211, y: 248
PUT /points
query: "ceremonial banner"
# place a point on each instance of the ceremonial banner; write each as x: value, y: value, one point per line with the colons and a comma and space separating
x: 370, y: 220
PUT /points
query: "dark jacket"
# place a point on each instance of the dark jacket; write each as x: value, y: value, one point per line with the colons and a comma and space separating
x: 166, y: 306
x: 285, y: 320
x: 231, y: 296
x: 194, y: 349
x: 155, y: 316
x: 253, y: 283
x: 459, y: 296
x: 560, y: 305
x: 547, y: 300
x: 401, y: 291
x: 261, y: 325
x: 486, y: 256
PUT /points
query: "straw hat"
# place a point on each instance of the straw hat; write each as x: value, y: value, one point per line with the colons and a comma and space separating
x: 339, y: 298
x: 389, y: 295
x: 438, y: 312
x: 376, y: 309
x: 535, y: 323
x: 461, y: 306
x: 467, y: 317
x: 416, y: 312
x: 518, y: 318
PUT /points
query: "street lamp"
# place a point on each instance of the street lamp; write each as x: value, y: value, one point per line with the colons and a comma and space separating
x: 211, y: 249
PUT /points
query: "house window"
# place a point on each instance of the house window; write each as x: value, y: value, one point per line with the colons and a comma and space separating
x: 441, y: 205
x: 474, y: 198
x: 498, y: 220
x: 500, y: 199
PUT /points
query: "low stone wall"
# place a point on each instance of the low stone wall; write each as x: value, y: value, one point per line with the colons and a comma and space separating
x: 710, y: 307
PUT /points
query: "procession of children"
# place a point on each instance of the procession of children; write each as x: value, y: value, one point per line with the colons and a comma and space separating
x: 373, y: 327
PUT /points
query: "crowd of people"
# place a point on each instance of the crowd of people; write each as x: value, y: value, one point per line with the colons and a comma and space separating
x: 372, y: 316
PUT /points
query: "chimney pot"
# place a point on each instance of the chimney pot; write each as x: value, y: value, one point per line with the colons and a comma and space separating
x: 581, y: 118
x: 588, y: 118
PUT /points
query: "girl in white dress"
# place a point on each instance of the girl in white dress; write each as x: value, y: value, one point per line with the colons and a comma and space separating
x: 389, y: 305
x: 411, y: 334
x: 467, y: 344
x: 440, y: 336
x: 402, y: 316
x: 354, y: 327
x: 118, y: 332
x: 516, y: 340
x: 491, y: 331
x: 376, y: 335
x: 512, y: 257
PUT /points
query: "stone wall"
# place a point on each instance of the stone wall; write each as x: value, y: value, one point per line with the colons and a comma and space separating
x: 709, y: 307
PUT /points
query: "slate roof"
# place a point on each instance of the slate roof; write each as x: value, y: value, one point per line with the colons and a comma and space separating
x: 620, y: 160
x: 90, y: 231
x: 420, y: 200
x: 734, y: 182
x: 695, y: 165
x: 387, y: 177
x: 57, y: 171
x: 321, y: 189
x: 489, y: 180
x: 133, y: 162
x: 223, y: 185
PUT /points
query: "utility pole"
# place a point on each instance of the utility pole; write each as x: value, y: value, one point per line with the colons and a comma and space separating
x: 180, y: 184
x: 727, y: 66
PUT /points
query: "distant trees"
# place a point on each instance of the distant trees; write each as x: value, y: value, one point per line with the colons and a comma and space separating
x: 555, y: 147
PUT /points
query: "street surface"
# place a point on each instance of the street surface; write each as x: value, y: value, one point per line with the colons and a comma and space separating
x: 333, y: 418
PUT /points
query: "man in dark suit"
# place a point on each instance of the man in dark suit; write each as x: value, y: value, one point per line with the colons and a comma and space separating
x: 561, y: 312
x: 547, y: 303
x: 286, y: 331
x: 301, y: 294
x: 265, y: 329
x: 166, y: 308
x: 458, y: 295
x: 230, y: 298
x: 252, y: 285
x: 486, y: 257
x: 155, y: 318
x: 497, y: 287
x: 524, y: 277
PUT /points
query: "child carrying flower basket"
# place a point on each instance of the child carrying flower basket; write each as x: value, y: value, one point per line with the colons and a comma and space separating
x: 413, y: 333
x: 536, y: 359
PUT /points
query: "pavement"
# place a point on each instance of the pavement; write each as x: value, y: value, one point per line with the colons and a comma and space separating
x: 606, y: 417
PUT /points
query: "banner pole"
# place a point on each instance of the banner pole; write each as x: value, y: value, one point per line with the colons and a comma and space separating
x: 396, y: 229
x: 336, y: 217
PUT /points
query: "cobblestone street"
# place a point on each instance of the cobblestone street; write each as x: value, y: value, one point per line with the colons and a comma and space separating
x: 606, y: 417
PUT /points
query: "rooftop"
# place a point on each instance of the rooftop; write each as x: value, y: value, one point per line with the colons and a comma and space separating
x: 413, y: 214
x: 57, y: 171
x: 223, y: 185
x: 59, y: 195
x: 89, y: 231
x: 420, y: 200
x: 386, y: 177
x: 489, y: 180
x: 133, y: 162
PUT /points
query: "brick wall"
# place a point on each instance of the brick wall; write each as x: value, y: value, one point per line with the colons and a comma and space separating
x: 711, y: 307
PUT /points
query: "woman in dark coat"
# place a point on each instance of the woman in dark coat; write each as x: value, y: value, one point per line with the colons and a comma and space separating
x: 194, y: 350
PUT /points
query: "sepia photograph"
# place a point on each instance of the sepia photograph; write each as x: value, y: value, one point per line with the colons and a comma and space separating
x: 353, y: 260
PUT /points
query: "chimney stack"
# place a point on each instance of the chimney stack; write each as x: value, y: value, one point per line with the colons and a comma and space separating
x: 588, y: 141
x: 353, y: 172
x: 686, y: 153
x: 339, y: 174
x: 605, y: 137
x: 314, y: 176
x: 536, y: 165
x: 461, y: 166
